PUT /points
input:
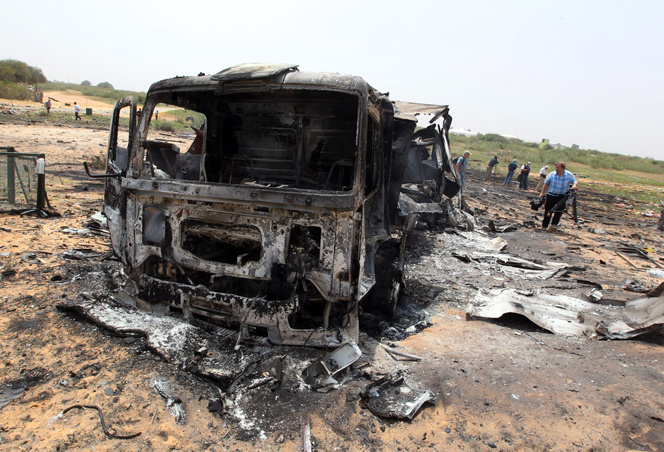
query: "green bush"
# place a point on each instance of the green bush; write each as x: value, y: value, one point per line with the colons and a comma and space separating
x: 12, y: 90
x: 19, y: 72
x: 165, y: 126
x: 493, y: 137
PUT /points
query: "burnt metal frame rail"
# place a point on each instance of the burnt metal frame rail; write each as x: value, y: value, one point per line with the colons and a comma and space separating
x: 98, y: 176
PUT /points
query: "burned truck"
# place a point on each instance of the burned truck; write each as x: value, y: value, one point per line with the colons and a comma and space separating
x: 276, y: 210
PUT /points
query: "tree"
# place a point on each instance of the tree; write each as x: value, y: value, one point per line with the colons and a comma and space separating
x: 105, y: 85
x: 86, y: 83
x: 19, y: 72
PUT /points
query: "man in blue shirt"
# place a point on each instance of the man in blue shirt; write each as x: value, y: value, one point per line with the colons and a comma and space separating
x: 461, y: 165
x: 510, y: 172
x: 556, y: 186
x: 489, y: 169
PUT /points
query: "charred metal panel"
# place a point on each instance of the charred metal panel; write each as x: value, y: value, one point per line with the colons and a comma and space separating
x: 252, y: 71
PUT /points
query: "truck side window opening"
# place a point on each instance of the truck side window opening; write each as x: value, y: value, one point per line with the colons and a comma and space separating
x: 174, y: 143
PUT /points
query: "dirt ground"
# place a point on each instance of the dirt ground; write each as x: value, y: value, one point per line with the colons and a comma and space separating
x: 505, y: 385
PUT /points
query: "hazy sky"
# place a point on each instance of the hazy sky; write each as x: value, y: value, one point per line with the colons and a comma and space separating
x: 574, y: 71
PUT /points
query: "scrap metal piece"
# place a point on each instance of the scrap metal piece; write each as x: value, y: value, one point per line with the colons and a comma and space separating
x: 306, y: 436
x: 81, y: 254
x: 163, y: 387
x: 555, y: 313
x: 252, y: 71
x: 393, y: 397
x: 656, y: 292
x: 633, y: 285
x: 401, y: 354
x: 413, y: 109
x: 594, y: 295
x: 321, y: 373
x: 9, y: 393
x: 512, y: 265
x: 566, y: 315
x: 642, y: 315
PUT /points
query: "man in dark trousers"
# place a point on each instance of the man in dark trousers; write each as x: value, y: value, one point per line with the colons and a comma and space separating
x: 489, y: 169
x: 510, y: 172
x: 461, y: 165
x: 523, y: 177
x: 556, y: 186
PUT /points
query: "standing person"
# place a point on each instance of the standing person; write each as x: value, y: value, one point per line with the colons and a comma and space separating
x: 77, y: 111
x: 556, y: 186
x: 47, y: 104
x: 156, y: 115
x: 510, y: 172
x: 542, y: 177
x: 523, y: 177
x: 489, y: 169
x: 461, y: 165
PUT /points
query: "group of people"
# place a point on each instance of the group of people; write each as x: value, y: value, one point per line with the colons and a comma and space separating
x: 555, y: 186
x: 77, y: 108
x: 522, y: 178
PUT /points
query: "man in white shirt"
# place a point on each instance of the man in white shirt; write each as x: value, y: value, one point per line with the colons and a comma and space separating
x: 542, y: 178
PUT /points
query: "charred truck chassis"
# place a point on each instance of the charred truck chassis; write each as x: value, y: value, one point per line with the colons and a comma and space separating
x: 281, y: 216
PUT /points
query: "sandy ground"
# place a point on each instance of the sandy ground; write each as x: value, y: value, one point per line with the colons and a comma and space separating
x: 505, y: 385
x: 59, y: 99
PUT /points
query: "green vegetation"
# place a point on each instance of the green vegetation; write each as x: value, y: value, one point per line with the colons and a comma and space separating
x: 484, y: 146
x: 11, y: 90
x: 166, y: 126
x: 173, y: 119
x: 181, y: 116
x: 99, y: 93
x: 635, y: 179
x: 16, y: 78
x: 19, y: 72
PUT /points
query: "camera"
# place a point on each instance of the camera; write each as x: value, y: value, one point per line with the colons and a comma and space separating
x: 536, y: 203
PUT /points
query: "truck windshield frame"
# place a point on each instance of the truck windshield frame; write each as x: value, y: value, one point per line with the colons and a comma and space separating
x: 290, y: 138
